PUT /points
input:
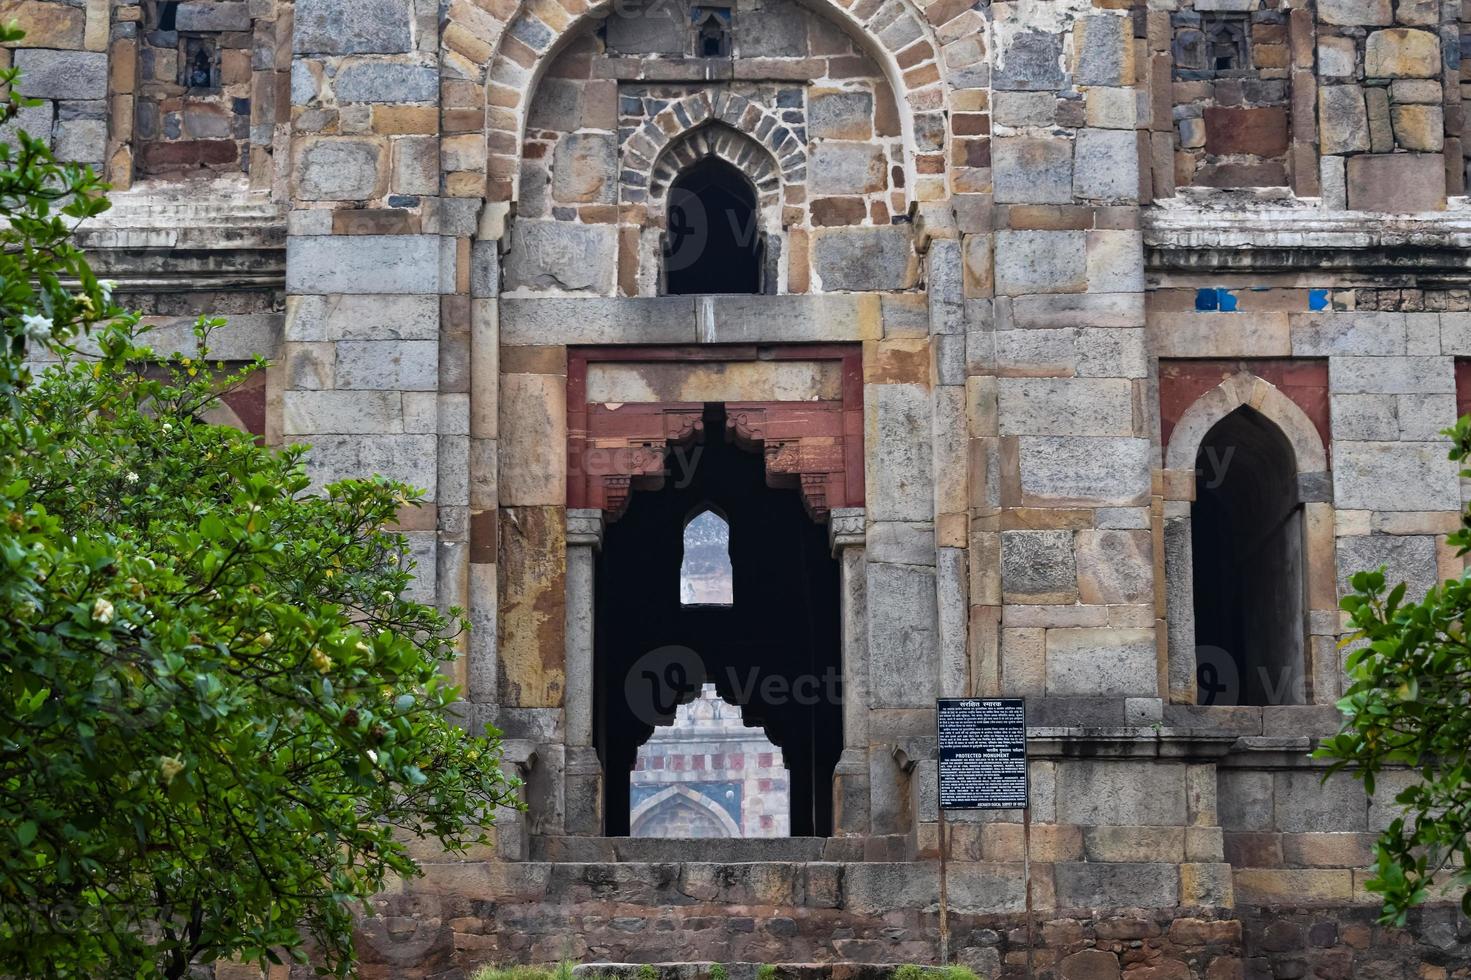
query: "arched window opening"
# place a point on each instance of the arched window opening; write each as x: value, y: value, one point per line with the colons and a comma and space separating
x: 708, y: 775
x: 713, y: 241
x: 1247, y: 554
x: 706, y: 576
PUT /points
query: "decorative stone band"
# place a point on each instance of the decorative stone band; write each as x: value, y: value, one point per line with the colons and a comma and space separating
x: 723, y: 124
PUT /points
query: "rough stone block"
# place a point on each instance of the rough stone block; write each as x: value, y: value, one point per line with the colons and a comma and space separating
x: 1032, y: 170
x: 397, y: 365
x: 47, y: 25
x: 1398, y: 182
x: 1038, y: 565
x: 1106, y: 662
x: 1343, y: 121
x: 81, y: 140
x: 1350, y: 13
x: 1324, y: 334
x: 1098, y: 792
x: 1041, y: 261
x: 1402, y: 53
x: 1095, y: 470
x: 864, y: 259
x: 1032, y: 61
x: 47, y: 74
x: 561, y: 255
x: 1104, y: 45
x: 352, y: 27
x: 902, y: 635
x: 1260, y: 131
x: 386, y: 81
x: 1115, y: 261
x: 407, y: 458
x: 838, y: 167
x: 389, y: 264
x: 1115, y: 567
x: 213, y: 15
x: 840, y: 115
x: 1418, y: 127
x: 1391, y: 375
x: 899, y: 481
x: 1337, y: 57
x: 1106, y: 164
x: 1065, y: 406
x: 1407, y: 558
x: 584, y: 169
x: 1089, y: 885
x: 340, y: 169
x: 1307, y: 803
x: 1394, y: 476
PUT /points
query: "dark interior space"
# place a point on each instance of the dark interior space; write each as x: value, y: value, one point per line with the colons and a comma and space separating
x: 1247, y: 544
x: 775, y: 652
x: 712, y: 243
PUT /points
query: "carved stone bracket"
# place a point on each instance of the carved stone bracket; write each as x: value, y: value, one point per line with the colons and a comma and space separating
x: 815, y: 447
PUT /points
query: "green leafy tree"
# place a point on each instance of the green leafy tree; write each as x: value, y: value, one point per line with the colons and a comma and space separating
x: 221, y: 720
x: 1409, y: 705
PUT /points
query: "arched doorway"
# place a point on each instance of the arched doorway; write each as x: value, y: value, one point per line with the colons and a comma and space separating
x: 774, y: 651
x: 1248, y: 567
x: 712, y: 242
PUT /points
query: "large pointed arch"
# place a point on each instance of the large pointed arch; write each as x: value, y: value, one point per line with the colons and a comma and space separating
x: 903, y: 40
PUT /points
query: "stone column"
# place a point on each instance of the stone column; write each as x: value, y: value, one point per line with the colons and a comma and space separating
x: 584, y: 779
x: 850, y: 778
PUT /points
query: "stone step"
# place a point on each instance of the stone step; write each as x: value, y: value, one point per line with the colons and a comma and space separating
x: 794, y: 850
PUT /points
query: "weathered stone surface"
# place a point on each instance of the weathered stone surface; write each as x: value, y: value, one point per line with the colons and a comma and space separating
x: 864, y: 259
x: 1101, y: 662
x: 340, y: 169
x: 1402, y: 182
x: 399, y: 365
x: 1038, y: 563
x: 902, y: 635
x: 1115, y: 566
x: 1408, y: 558
x: 584, y: 169
x: 386, y: 81
x: 1032, y: 61
x: 1306, y: 802
x: 838, y: 167
x: 389, y: 264
x: 1390, y: 476
x: 1401, y: 52
x: 1392, y: 375
x: 1090, y: 964
x: 1041, y: 261
x: 561, y: 255
x: 1343, y: 121
x: 81, y: 140
x: 1355, y: 12
x: 900, y: 487
x: 1120, y: 793
x: 1032, y: 170
x: 213, y: 15
x: 352, y: 27
x: 1083, y: 885
x: 1106, y: 164
x: 532, y: 581
x: 406, y: 458
x: 1419, y: 127
x: 1065, y: 406
x: 1260, y: 131
x: 1084, y: 468
x: 47, y: 74
x: 840, y: 115
x: 1105, y: 50
x: 1337, y: 57
x: 47, y: 25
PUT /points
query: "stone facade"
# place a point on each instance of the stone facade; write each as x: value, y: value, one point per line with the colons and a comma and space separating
x: 1024, y: 263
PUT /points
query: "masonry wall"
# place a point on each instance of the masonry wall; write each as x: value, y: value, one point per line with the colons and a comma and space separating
x: 1063, y: 245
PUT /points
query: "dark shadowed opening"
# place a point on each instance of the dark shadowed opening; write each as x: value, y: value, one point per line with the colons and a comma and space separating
x: 774, y: 652
x: 712, y: 243
x: 1247, y: 544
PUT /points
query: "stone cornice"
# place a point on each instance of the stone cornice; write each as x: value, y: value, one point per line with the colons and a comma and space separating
x: 1187, y: 236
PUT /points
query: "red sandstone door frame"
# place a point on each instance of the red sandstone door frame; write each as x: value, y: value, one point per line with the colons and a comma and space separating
x: 815, y: 446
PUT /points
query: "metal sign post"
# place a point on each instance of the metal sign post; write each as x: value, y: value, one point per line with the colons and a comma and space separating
x: 982, y: 766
